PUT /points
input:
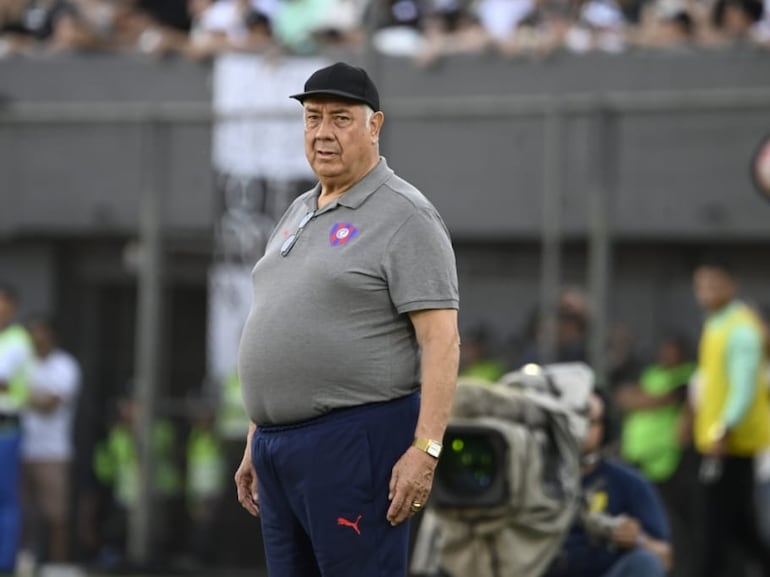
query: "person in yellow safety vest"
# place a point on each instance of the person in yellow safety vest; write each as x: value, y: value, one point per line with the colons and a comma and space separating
x: 15, y: 362
x: 729, y: 409
x: 206, y: 478
x: 116, y: 465
x: 232, y: 421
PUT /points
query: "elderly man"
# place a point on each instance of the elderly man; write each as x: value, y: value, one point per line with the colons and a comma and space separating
x: 349, y: 356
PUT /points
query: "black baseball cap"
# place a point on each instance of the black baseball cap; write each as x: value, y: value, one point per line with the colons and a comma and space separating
x: 342, y: 80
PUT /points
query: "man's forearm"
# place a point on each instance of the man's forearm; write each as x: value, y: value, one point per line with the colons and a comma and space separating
x: 249, y: 435
x: 634, y: 398
x: 439, y: 382
x: 660, y: 549
x: 440, y: 357
x: 743, y: 362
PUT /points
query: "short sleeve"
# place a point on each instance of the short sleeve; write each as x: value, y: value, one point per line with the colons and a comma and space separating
x: 419, y: 265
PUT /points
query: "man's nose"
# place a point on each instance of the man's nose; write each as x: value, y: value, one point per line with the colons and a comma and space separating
x: 325, y: 128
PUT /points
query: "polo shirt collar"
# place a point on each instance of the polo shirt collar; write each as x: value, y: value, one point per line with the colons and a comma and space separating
x: 363, y: 189
x: 360, y: 191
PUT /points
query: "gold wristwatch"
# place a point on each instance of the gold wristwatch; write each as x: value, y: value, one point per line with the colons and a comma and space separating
x: 433, y: 448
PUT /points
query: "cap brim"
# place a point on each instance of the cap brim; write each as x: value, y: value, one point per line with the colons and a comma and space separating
x: 338, y: 93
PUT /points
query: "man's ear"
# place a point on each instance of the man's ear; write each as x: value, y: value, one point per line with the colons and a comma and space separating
x: 375, y: 125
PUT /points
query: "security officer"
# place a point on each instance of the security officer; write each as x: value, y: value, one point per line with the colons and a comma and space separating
x: 206, y: 466
x: 116, y: 466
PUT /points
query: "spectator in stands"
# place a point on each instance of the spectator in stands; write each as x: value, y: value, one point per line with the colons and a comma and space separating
x: 48, y: 444
x: 623, y: 531
x: 52, y: 25
x: 400, y: 29
x: 229, y: 25
x: 736, y: 19
x: 304, y: 26
x: 666, y: 24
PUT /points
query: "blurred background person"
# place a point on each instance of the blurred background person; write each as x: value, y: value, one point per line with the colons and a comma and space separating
x: 736, y: 20
x: 15, y: 362
x: 477, y: 359
x: 47, y: 445
x: 730, y: 413
x: 762, y: 462
x: 116, y: 466
x: 229, y: 25
x: 652, y: 409
x: 205, y: 479
x: 623, y: 531
x: 665, y: 24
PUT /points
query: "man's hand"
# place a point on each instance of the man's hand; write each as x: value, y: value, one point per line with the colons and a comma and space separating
x: 410, y: 482
x: 246, y: 479
x: 627, y: 532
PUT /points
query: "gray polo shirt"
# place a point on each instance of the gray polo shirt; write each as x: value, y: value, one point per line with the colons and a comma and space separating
x: 328, y: 327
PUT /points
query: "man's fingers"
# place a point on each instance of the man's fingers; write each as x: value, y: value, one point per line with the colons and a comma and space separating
x: 248, y: 500
x: 398, y: 510
x: 392, y: 485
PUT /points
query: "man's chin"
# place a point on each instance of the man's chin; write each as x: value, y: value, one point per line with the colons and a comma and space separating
x: 326, y: 169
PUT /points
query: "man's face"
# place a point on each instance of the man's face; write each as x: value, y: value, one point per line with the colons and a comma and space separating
x: 340, y: 144
x: 593, y: 439
x: 714, y: 288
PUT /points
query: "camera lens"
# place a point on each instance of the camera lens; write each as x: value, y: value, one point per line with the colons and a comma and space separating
x: 470, y: 464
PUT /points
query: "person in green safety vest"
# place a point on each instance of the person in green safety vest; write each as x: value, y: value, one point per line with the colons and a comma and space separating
x: 116, y: 466
x: 16, y: 358
x: 205, y: 482
x: 652, y: 411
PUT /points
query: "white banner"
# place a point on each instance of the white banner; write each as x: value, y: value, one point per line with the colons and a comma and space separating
x: 229, y: 304
x: 261, y: 168
x: 272, y: 146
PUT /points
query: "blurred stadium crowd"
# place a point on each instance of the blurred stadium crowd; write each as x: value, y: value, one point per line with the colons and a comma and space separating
x: 424, y: 30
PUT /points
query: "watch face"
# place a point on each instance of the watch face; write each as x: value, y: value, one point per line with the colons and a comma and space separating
x: 434, y: 449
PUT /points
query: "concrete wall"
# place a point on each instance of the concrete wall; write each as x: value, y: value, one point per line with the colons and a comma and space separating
x: 680, y: 180
x: 676, y: 174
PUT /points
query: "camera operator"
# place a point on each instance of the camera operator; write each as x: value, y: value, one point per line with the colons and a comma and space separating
x: 622, y: 531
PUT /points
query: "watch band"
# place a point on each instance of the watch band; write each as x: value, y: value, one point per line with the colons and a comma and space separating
x: 433, y: 448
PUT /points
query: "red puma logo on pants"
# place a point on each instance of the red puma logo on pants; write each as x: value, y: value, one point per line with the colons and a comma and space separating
x: 354, y: 524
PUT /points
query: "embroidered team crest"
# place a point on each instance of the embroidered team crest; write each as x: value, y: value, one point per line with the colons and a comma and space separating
x: 341, y: 233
